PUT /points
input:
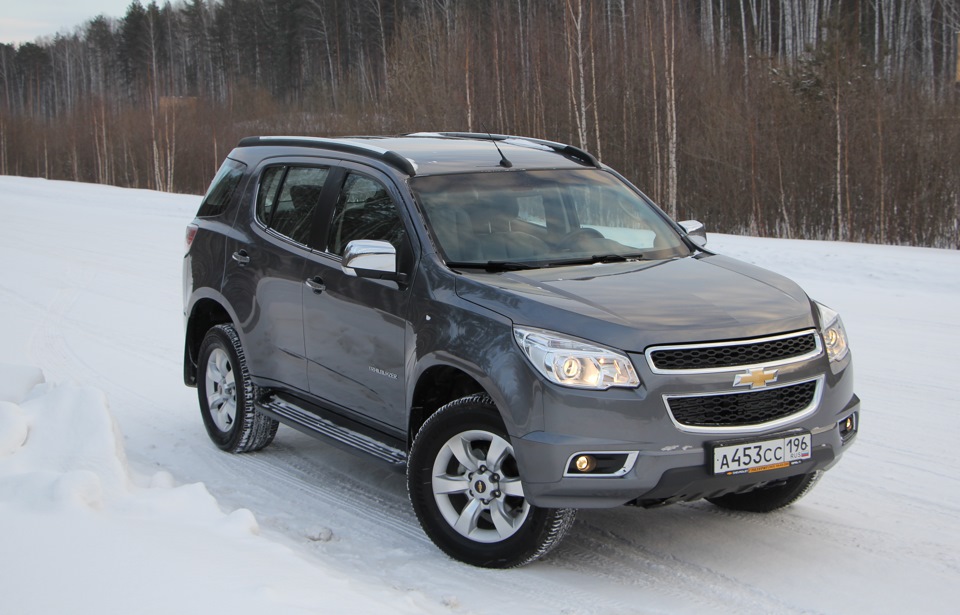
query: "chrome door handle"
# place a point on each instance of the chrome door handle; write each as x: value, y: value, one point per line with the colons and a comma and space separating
x: 316, y: 285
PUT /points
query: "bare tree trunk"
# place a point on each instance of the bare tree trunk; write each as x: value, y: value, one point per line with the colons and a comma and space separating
x: 107, y: 172
x: 787, y: 233
x: 706, y: 28
x: 724, y: 32
x: 926, y: 58
x: 3, y: 148
x: 881, y: 183
x: 318, y: 26
x: 958, y: 57
x: 627, y: 103
x: 946, y: 53
x: 669, y: 50
x: 746, y: 51
x: 171, y: 147
x: 540, y: 117
x: 849, y: 228
x: 466, y: 86
x: 903, y: 38
x: 759, y: 228
x: 769, y: 12
x: 383, y: 46
x: 787, y: 31
x: 839, y: 185
x: 578, y: 90
x: 593, y: 84
x: 877, y: 13
x: 498, y: 89
x: 655, y: 91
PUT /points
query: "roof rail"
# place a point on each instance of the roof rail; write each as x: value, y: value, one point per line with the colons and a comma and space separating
x: 340, y: 145
x: 580, y: 155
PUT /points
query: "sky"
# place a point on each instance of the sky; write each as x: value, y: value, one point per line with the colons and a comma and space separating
x: 23, y: 21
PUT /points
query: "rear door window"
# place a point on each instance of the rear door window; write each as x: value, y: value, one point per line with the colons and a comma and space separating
x: 288, y: 199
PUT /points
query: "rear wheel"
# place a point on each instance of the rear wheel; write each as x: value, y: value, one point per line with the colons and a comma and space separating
x: 227, y: 395
x: 466, y: 491
x: 771, y: 497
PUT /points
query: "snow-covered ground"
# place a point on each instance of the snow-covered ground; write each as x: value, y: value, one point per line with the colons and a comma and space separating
x: 112, y: 500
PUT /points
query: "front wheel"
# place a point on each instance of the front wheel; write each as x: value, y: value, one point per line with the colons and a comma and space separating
x: 465, y: 488
x: 770, y: 497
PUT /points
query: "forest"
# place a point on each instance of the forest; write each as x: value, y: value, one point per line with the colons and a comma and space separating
x: 817, y: 119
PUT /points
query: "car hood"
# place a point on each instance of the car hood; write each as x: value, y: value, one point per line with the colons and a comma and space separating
x: 633, y: 305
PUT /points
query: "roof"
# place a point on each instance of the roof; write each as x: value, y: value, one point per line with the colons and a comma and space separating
x: 441, y: 153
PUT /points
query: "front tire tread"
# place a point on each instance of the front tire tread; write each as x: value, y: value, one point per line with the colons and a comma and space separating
x: 543, y: 528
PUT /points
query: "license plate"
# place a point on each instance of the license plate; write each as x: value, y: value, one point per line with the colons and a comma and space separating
x: 773, y: 454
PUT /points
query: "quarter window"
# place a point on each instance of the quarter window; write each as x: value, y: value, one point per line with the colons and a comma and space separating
x: 221, y: 189
x: 267, y: 197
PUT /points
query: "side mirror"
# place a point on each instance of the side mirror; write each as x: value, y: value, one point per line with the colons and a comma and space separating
x: 696, y: 232
x: 368, y: 258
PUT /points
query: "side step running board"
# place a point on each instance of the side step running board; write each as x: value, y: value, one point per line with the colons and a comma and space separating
x: 286, y: 410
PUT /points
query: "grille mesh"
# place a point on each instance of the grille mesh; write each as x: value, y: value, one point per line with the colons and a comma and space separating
x: 733, y: 355
x: 740, y: 409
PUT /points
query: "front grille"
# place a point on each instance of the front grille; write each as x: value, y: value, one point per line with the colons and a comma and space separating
x: 733, y: 354
x: 742, y: 409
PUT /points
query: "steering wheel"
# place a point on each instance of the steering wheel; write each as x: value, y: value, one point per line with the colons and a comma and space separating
x: 574, y: 237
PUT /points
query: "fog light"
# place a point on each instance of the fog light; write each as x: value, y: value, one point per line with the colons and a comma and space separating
x: 848, y: 427
x: 586, y: 463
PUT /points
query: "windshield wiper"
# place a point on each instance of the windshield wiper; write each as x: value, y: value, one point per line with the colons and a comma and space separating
x: 599, y: 258
x: 494, y: 266
x: 497, y: 266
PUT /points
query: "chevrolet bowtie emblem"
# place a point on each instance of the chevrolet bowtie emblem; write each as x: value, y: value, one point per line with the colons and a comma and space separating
x: 755, y: 378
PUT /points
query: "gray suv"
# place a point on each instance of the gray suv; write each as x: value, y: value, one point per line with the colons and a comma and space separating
x: 513, y: 323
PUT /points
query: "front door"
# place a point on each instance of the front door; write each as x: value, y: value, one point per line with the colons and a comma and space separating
x: 355, y: 329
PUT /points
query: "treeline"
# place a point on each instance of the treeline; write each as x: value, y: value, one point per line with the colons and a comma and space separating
x: 835, y: 119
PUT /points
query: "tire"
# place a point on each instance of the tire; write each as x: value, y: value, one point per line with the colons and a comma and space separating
x: 469, y: 502
x: 227, y: 394
x: 769, y: 498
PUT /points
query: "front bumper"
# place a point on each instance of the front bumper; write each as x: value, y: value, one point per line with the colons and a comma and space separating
x: 666, y: 463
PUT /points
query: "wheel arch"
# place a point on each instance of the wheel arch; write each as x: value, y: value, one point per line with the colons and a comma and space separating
x: 206, y: 312
x: 478, y: 356
x: 438, y: 385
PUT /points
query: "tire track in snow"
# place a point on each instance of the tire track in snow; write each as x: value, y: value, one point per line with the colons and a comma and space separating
x: 362, y: 514
x: 612, y: 556
x: 48, y: 346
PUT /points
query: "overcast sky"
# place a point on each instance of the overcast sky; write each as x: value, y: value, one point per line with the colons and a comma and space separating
x: 23, y: 21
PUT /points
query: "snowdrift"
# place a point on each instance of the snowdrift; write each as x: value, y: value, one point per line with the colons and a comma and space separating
x: 82, y: 533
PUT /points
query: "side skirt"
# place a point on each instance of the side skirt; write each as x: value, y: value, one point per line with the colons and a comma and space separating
x: 304, y: 420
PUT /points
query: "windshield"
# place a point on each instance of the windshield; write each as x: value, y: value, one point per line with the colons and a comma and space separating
x: 521, y: 219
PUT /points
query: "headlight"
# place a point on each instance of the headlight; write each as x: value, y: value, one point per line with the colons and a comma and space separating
x: 834, y: 335
x: 574, y: 363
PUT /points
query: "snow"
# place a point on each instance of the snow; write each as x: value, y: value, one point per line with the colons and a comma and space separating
x: 113, y: 500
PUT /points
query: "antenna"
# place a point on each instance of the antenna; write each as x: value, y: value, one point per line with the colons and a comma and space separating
x: 506, y: 164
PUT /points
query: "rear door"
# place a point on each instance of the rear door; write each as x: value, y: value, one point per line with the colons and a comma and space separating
x: 264, y: 274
